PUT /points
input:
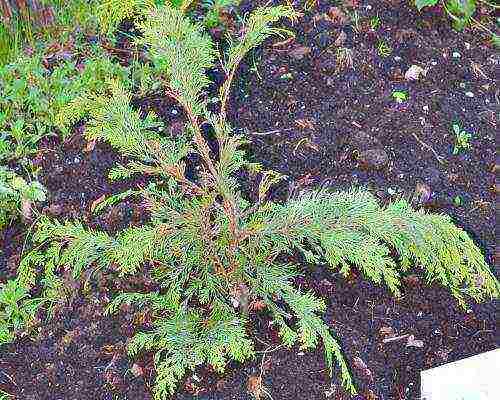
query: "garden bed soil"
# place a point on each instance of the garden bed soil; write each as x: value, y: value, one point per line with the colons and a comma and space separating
x: 314, y: 123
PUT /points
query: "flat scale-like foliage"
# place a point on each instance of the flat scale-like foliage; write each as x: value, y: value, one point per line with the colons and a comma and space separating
x: 214, y: 252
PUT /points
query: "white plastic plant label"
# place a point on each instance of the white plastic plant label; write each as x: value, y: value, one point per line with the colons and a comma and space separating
x: 473, y: 378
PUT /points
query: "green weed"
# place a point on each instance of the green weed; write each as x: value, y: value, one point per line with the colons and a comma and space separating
x: 462, y: 139
x: 33, y: 95
x: 17, y: 195
x: 461, y: 14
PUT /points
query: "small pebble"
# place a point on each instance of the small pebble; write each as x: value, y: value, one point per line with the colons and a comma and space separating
x: 137, y: 370
x: 467, y: 46
x: 425, y: 108
x: 456, y: 54
x: 414, y: 73
x: 469, y: 94
x: 174, y: 112
x: 397, y: 58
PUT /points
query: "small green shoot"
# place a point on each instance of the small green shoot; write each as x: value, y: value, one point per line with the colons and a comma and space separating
x: 400, y: 96
x: 462, y: 139
x: 384, y: 50
x: 5, y: 395
x: 375, y: 23
x: 461, y: 13
x: 457, y: 201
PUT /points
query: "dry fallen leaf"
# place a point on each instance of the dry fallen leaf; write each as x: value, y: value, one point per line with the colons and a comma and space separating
x: 284, y: 42
x: 137, y: 370
x: 254, y: 386
x: 369, y: 395
x: 414, y: 73
x: 304, y: 123
x: 341, y: 38
x: 337, y: 16
x: 257, y: 305
x: 360, y: 365
x: 299, y: 52
x: 26, y: 210
x: 412, y: 280
x: 386, y: 331
x: 90, y: 146
x: 192, y: 387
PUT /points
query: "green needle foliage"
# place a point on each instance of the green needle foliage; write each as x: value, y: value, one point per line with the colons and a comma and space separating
x: 210, y: 250
x: 111, y: 13
x: 17, y: 310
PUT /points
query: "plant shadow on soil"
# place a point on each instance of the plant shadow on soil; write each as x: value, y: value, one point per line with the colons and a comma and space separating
x: 323, y: 121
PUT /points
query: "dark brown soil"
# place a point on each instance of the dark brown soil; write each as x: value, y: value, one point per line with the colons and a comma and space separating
x: 314, y: 123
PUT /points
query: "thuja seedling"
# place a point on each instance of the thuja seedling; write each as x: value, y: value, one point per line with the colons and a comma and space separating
x: 462, y: 139
x: 214, y: 253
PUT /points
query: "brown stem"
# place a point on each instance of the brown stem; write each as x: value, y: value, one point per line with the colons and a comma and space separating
x: 226, y: 91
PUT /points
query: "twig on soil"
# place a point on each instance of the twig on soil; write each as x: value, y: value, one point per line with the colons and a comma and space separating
x: 394, y: 339
x: 355, y: 304
x: 111, y: 48
x: 269, y: 132
x: 10, y: 378
x: 438, y: 157
x: 482, y: 331
x: 261, y: 388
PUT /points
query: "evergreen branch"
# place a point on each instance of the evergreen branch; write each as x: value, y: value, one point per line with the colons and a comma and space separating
x: 350, y: 228
x: 112, y: 12
x: 257, y: 29
x: 180, y: 50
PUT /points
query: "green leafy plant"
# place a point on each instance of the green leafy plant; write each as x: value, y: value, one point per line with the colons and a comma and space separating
x: 5, y: 395
x: 400, y: 96
x: 461, y: 13
x: 213, y: 253
x: 462, y: 139
x: 17, y: 195
x: 33, y: 95
x: 17, y: 310
x: 111, y: 13
x: 31, y: 22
